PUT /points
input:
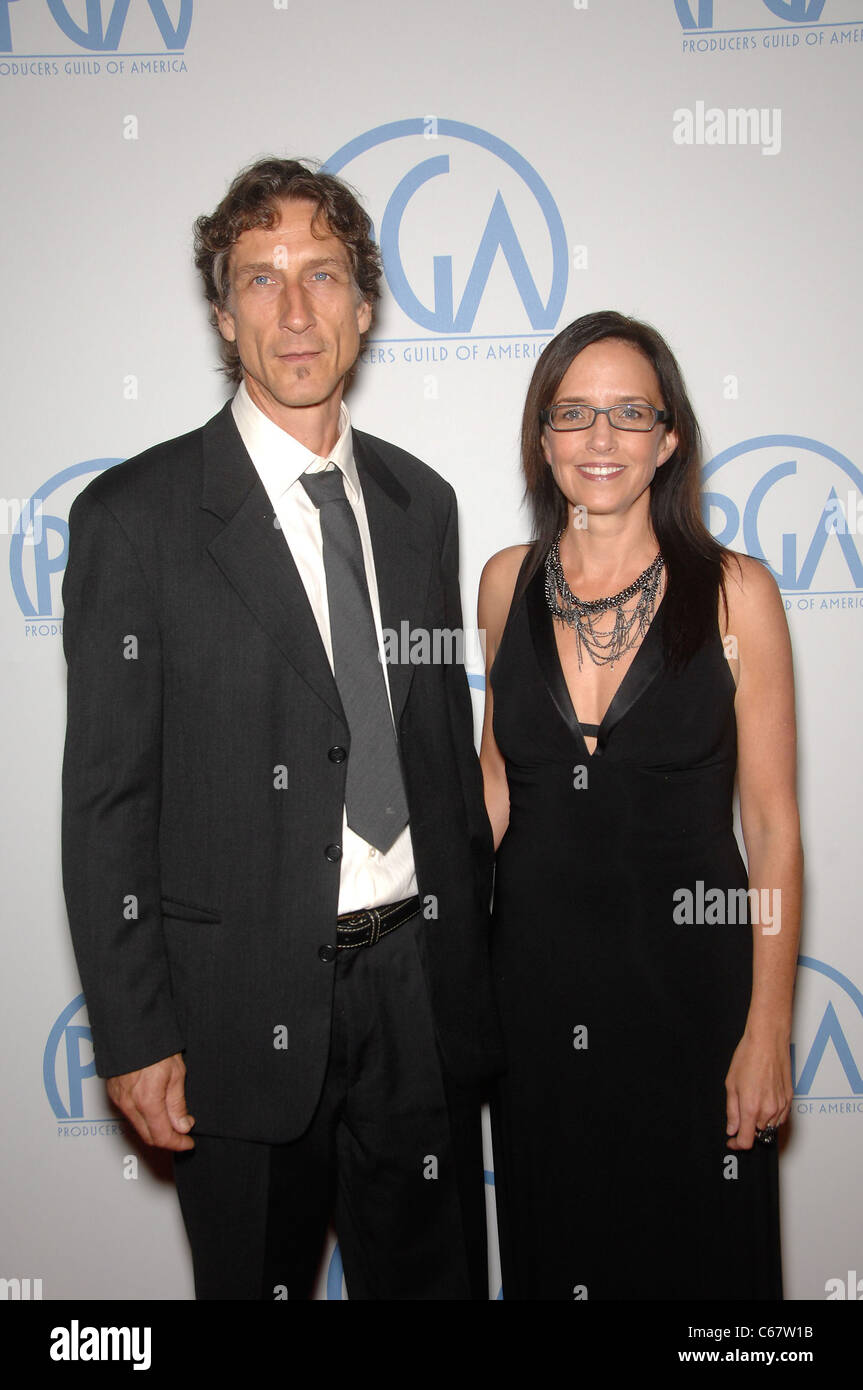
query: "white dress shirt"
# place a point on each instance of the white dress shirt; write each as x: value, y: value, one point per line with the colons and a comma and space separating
x: 368, y: 878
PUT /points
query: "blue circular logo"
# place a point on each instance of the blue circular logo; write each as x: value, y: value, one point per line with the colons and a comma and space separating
x: 830, y: 1031
x: 33, y: 530
x: 64, y: 1061
x: 811, y: 504
x: 499, y: 234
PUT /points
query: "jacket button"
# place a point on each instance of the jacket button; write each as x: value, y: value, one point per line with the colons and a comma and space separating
x: 337, y: 754
x: 333, y: 853
x: 327, y: 953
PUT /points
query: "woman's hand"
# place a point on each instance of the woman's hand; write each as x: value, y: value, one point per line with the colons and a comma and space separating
x: 758, y: 1084
x: 758, y: 1088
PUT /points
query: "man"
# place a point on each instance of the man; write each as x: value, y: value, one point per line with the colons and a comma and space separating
x: 276, y: 856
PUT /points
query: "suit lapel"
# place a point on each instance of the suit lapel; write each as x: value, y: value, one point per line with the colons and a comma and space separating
x: 252, y: 555
x: 402, y: 554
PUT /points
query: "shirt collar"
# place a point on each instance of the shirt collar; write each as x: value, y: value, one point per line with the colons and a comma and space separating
x: 279, y: 458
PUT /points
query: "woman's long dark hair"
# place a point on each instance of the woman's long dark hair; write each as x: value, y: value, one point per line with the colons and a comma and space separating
x: 693, y: 558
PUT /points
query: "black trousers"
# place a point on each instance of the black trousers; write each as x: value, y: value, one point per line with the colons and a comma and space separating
x: 393, y: 1155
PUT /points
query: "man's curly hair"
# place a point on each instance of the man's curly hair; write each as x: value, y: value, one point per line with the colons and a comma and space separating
x: 252, y: 201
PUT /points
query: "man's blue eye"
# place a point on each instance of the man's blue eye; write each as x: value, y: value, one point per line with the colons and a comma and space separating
x: 321, y: 275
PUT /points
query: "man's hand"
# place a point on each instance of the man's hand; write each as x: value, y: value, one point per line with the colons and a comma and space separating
x: 154, y: 1099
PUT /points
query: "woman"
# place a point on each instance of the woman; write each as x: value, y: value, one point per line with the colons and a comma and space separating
x: 633, y: 664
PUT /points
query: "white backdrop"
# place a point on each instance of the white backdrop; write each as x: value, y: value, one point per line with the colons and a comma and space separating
x: 694, y: 163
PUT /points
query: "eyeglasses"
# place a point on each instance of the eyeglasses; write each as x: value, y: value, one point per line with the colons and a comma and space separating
x: 569, y: 415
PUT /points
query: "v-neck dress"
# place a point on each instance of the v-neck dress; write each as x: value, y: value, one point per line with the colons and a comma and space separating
x: 621, y: 1009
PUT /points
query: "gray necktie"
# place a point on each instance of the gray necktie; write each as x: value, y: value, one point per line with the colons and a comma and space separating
x: 374, y: 792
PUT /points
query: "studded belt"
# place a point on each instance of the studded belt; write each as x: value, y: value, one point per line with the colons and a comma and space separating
x: 366, y: 928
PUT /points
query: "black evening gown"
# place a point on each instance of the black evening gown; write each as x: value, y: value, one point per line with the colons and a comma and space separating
x: 612, y: 1176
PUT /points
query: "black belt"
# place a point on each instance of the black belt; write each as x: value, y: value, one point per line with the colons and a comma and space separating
x: 365, y: 928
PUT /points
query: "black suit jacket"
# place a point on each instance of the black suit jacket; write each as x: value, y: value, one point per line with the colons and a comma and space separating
x: 201, y: 889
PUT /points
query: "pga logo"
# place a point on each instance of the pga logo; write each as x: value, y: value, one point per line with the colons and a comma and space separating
x: 777, y: 497
x: 463, y: 220
x: 40, y: 541
x: 827, y: 1051
x: 68, y: 1061
x: 106, y: 23
x: 707, y: 14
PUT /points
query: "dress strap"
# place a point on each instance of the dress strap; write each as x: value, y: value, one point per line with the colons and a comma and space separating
x: 529, y: 566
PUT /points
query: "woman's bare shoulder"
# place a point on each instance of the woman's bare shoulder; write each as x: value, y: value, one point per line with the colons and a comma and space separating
x: 749, y: 585
x: 497, y: 585
x: 499, y: 575
x: 755, y: 609
x: 502, y: 569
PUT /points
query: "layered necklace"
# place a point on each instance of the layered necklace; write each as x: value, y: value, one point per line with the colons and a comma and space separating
x: 605, y: 645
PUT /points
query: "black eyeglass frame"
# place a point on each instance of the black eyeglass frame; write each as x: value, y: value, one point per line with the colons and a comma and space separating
x: 660, y: 417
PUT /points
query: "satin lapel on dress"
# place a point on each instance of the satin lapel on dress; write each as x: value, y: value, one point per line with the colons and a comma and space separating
x: 542, y: 636
x: 645, y: 667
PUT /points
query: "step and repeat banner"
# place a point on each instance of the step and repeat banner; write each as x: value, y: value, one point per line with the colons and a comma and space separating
x: 691, y: 162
